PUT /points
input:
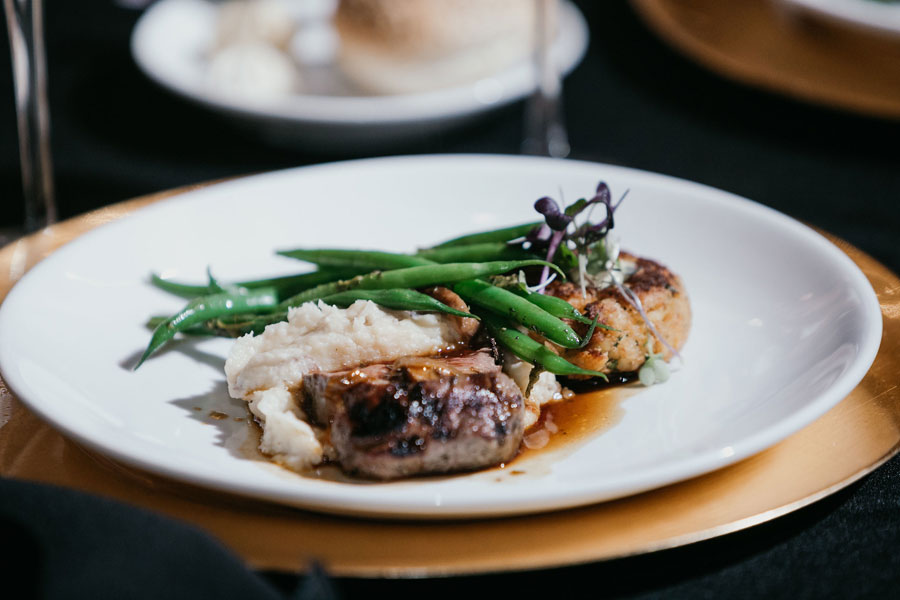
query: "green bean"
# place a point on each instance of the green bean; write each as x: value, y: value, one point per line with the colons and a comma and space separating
x: 153, y: 323
x: 213, y: 283
x: 184, y: 290
x: 205, y: 308
x: 532, y: 351
x: 294, y: 284
x: 373, y: 259
x: 553, y: 305
x: 241, y: 324
x: 286, y: 285
x: 475, y: 253
x: 367, y: 260
x: 228, y: 326
x: 559, y: 308
x: 520, y: 310
x: 414, y: 277
x: 495, y: 235
x: 396, y: 299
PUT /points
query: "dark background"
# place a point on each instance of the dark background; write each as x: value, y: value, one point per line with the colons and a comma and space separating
x: 633, y: 102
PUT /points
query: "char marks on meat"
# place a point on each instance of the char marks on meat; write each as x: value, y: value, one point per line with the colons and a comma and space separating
x: 418, y: 415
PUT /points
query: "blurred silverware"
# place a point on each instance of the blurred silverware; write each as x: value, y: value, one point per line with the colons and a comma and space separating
x: 545, y: 129
x: 24, y: 18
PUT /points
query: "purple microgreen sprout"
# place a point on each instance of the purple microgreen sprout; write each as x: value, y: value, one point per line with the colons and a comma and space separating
x: 589, y: 233
x: 541, y: 233
x: 558, y: 221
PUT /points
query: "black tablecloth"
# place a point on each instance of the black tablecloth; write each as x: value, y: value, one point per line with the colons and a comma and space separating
x: 633, y: 102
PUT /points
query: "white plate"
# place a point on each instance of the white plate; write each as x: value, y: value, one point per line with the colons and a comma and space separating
x: 882, y: 17
x: 785, y: 326
x: 170, y: 44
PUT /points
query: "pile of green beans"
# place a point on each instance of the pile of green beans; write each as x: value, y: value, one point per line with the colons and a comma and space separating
x: 391, y: 280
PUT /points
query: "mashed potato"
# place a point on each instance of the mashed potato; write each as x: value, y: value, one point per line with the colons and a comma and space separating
x: 320, y: 337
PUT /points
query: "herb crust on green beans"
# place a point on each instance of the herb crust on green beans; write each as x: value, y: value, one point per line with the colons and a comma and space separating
x: 392, y: 365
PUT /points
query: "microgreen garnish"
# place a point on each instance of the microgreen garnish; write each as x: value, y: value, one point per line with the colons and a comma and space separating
x: 536, y: 288
x: 586, y: 250
x: 571, y: 244
x: 654, y: 370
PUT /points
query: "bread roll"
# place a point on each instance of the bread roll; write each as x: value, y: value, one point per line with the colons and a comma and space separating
x: 407, y: 46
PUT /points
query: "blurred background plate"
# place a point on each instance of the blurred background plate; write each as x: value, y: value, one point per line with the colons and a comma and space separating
x: 875, y: 15
x: 171, y: 44
x: 762, y: 43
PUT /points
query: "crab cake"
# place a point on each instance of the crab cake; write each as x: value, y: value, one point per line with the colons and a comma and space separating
x: 623, y: 348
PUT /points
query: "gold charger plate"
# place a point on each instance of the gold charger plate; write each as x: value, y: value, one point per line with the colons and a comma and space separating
x: 851, y: 440
x: 762, y: 43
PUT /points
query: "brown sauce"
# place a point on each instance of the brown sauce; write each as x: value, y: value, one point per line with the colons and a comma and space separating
x: 577, y: 420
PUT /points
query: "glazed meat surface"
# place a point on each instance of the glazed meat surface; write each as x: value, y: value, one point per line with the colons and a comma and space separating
x: 418, y: 415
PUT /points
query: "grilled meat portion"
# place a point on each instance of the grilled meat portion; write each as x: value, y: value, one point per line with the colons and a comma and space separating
x: 418, y: 415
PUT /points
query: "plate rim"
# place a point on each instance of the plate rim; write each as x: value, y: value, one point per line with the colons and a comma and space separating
x: 585, y: 496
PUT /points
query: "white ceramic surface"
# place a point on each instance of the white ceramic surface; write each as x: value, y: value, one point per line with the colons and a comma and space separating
x: 170, y: 44
x: 785, y: 326
x: 881, y: 17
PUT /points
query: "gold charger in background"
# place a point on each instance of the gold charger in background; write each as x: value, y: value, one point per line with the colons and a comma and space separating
x: 764, y: 43
x: 845, y: 444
